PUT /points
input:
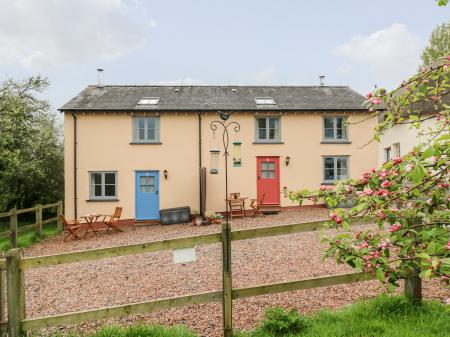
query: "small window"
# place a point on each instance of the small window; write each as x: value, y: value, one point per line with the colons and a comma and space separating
x: 335, y: 128
x: 147, y: 184
x: 103, y: 185
x: 268, y: 170
x: 387, y: 154
x: 396, y: 148
x: 265, y: 101
x: 335, y: 168
x: 148, y: 101
x: 268, y: 129
x: 146, y: 129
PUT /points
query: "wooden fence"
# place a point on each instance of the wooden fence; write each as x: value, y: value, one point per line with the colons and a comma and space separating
x: 16, y: 265
x: 14, y: 230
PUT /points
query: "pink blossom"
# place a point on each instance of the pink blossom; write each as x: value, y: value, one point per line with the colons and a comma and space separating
x: 381, y: 215
x: 323, y: 188
x: 433, y: 159
x: 369, y: 95
x: 386, y: 184
x: 434, y: 98
x: 333, y: 216
x: 398, y: 160
x: 448, y: 246
x: 338, y: 220
x: 373, y: 170
x: 368, y: 192
x: 395, y: 227
x: 376, y: 100
x: 409, y: 167
x: 363, y: 180
x: 363, y: 245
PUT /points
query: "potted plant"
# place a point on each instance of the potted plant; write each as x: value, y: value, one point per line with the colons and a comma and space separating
x: 217, y: 218
x: 196, y: 218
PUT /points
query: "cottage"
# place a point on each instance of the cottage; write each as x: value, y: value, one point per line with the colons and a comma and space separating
x: 142, y: 147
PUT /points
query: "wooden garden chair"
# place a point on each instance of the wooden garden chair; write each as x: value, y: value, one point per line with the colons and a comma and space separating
x: 237, y: 206
x: 256, y: 204
x: 111, y: 221
x: 71, y: 226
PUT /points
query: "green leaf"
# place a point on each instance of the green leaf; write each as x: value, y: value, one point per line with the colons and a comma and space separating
x: 417, y: 174
x: 380, y: 275
x: 425, y: 273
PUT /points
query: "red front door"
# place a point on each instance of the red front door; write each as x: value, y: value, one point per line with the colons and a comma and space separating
x: 268, y: 179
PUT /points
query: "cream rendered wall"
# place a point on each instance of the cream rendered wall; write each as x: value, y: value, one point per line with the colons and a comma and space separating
x: 104, y: 144
x: 406, y: 135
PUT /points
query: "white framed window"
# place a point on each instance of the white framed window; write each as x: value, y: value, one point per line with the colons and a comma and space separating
x: 396, y: 149
x: 146, y: 129
x: 265, y: 101
x: 335, y: 168
x: 103, y: 185
x: 335, y: 129
x: 149, y: 101
x: 268, y: 129
x: 387, y: 154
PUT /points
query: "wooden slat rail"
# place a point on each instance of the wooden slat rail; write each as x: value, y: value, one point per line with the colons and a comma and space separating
x: 26, y: 210
x: 49, y: 220
x: 120, y: 310
x: 323, y: 281
x: 96, y: 254
x: 261, y: 232
x: 3, y: 215
x: 50, y: 205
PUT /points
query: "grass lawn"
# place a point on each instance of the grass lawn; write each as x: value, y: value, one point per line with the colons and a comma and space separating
x: 27, y: 237
x: 385, y: 316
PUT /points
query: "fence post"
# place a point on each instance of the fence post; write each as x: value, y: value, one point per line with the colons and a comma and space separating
x: 59, y: 211
x: 39, y: 219
x: 13, y: 227
x: 2, y: 297
x: 227, y: 281
x: 16, y: 293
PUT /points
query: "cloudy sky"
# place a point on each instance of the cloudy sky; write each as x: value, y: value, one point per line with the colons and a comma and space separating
x: 353, y: 42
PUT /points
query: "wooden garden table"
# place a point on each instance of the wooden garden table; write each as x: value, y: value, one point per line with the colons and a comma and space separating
x: 90, y: 219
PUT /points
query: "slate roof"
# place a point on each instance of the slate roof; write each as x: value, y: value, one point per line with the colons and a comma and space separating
x: 213, y: 98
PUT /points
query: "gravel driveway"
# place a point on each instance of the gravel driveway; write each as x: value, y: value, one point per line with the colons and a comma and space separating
x: 120, y: 280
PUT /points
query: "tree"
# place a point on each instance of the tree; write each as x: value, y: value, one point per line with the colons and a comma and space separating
x: 31, y: 148
x: 407, y: 198
x: 438, y: 45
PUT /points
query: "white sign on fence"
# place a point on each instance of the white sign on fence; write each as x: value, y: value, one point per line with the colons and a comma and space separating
x: 184, y: 255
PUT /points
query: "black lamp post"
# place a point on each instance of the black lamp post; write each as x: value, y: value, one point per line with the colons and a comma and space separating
x: 226, y: 231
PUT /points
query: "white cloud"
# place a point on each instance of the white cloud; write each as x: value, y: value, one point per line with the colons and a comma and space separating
x: 390, y: 55
x: 179, y: 81
x: 35, y: 34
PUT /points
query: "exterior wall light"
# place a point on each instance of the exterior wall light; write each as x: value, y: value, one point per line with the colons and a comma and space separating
x: 287, y: 160
x: 237, y: 153
x: 214, y: 160
x: 165, y: 174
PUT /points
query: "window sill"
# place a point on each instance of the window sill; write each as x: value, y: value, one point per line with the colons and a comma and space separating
x: 268, y: 142
x: 335, y: 142
x: 145, y: 143
x: 102, y: 200
x: 328, y: 183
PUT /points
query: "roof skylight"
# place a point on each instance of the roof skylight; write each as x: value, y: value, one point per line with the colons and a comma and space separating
x: 148, y: 101
x: 265, y: 101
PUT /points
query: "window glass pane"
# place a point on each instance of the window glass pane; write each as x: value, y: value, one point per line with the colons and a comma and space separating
x: 328, y: 123
x: 329, y: 163
x: 329, y: 174
x: 329, y: 134
x: 151, y: 134
x: 110, y: 178
x: 272, y: 122
x: 264, y: 166
x: 141, y: 134
x: 141, y: 123
x: 96, y: 178
x: 271, y: 166
x: 151, y: 123
x: 110, y: 190
x: 271, y: 133
x: 261, y: 123
x: 97, y: 190
x: 261, y: 133
x: 341, y: 163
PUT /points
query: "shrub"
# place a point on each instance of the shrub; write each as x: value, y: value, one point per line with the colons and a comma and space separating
x: 280, y: 322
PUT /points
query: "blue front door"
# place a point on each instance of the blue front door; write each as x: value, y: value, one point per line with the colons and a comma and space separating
x: 147, y: 195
